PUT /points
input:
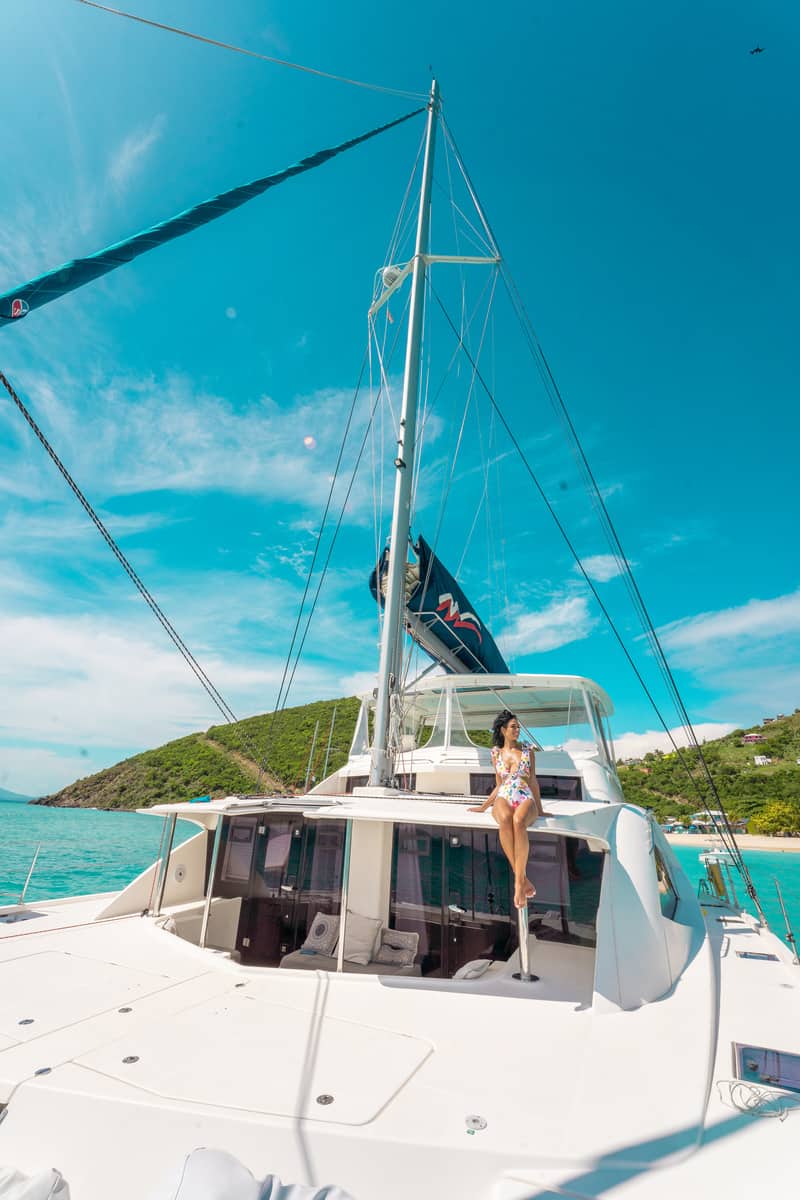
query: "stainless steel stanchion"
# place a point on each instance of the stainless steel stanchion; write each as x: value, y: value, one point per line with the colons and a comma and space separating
x: 211, y: 875
x: 524, y: 972
x: 348, y: 837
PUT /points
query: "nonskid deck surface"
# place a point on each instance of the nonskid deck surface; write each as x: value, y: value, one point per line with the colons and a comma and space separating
x: 222, y: 1055
x: 741, y: 1151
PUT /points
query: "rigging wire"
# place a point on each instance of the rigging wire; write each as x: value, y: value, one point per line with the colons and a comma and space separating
x: 288, y: 675
x: 724, y: 829
x: 216, y: 697
x: 454, y: 453
x: 278, y: 62
x: 283, y: 695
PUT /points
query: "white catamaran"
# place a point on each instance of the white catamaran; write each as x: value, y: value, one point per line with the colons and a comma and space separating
x: 335, y: 988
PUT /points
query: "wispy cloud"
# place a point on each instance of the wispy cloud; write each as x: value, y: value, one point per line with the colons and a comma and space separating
x: 561, y: 622
x: 748, y: 655
x: 635, y: 745
x: 94, y: 691
x: 761, y: 619
x: 163, y: 434
x: 130, y: 155
x: 601, y: 567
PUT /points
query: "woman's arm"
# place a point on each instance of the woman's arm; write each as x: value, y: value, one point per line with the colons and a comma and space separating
x: 488, y: 802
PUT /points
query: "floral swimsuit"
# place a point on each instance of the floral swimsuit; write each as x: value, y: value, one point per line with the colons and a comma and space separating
x: 514, y: 788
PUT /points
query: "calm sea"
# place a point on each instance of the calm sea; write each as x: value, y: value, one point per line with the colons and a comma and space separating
x: 86, y: 851
x: 82, y: 851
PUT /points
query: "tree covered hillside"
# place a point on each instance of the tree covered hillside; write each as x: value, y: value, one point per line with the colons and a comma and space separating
x: 226, y: 758
x: 769, y: 796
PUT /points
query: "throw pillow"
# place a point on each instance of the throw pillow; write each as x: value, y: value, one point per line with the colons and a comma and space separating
x: 323, y: 934
x: 397, y: 948
x: 360, y: 936
x: 474, y: 969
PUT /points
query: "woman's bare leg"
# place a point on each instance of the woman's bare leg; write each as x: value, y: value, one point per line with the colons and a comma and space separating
x: 523, y: 888
x: 503, y: 814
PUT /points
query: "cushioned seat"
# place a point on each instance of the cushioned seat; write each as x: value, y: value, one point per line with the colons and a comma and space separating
x: 299, y: 961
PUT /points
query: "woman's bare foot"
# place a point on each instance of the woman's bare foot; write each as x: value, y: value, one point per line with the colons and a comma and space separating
x: 523, y: 892
x: 530, y: 890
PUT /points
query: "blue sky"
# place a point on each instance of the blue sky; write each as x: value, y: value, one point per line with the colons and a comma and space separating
x: 638, y: 168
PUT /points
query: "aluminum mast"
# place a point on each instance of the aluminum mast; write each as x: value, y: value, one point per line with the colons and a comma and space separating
x: 382, y: 765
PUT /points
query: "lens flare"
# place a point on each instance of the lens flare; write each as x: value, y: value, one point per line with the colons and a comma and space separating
x: 309, y: 442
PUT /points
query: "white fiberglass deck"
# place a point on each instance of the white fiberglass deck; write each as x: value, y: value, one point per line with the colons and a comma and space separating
x: 237, y: 1058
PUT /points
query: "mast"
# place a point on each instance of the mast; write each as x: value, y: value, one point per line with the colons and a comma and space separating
x: 382, y: 766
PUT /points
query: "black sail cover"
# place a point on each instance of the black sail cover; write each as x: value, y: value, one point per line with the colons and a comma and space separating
x: 439, y: 617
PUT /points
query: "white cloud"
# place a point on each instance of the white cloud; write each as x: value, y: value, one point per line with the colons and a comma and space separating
x: 81, y: 689
x: 132, y: 151
x: 59, y: 528
x: 561, y: 622
x: 359, y: 683
x: 44, y: 771
x: 758, y: 691
x: 601, y: 567
x: 635, y: 745
x: 758, y: 619
x: 149, y: 434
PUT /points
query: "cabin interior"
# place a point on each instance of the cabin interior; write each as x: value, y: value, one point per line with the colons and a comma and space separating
x: 427, y: 893
x: 446, y: 890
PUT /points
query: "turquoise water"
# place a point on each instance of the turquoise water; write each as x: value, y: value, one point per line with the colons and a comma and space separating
x: 85, y: 851
x: 82, y: 851
x: 764, y: 867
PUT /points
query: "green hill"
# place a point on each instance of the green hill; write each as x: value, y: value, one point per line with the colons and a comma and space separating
x: 225, y: 759
x: 222, y: 761
x: 660, y: 782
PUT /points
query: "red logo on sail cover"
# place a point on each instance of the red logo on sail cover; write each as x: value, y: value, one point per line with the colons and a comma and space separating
x: 454, y: 617
x: 18, y: 308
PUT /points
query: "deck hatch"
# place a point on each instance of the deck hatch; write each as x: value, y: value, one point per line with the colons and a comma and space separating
x: 775, y: 1068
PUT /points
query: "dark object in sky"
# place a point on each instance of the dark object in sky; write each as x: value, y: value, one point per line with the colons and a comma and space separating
x: 757, y: 50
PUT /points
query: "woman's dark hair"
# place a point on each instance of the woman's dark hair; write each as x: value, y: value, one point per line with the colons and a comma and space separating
x: 498, y: 724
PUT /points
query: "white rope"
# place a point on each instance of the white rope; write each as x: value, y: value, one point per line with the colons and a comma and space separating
x: 278, y: 62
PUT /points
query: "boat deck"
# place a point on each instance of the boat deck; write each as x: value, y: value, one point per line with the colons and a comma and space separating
x: 116, y: 1033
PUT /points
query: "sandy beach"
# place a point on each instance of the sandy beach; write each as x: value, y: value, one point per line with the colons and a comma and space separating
x: 746, y: 841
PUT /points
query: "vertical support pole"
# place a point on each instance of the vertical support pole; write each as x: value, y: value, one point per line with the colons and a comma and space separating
x: 328, y: 747
x: 382, y: 768
x: 28, y: 879
x: 789, y: 935
x: 524, y: 972
x: 164, y: 867
x: 311, y: 756
x: 732, y: 885
x: 211, y: 876
x: 348, y: 838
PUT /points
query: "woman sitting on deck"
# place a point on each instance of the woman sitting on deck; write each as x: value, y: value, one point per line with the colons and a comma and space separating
x: 515, y: 800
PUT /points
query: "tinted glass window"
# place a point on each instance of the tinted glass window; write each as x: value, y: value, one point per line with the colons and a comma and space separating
x: 322, y: 865
x: 552, y: 787
x: 278, y: 853
x: 667, y: 893
x: 558, y: 787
